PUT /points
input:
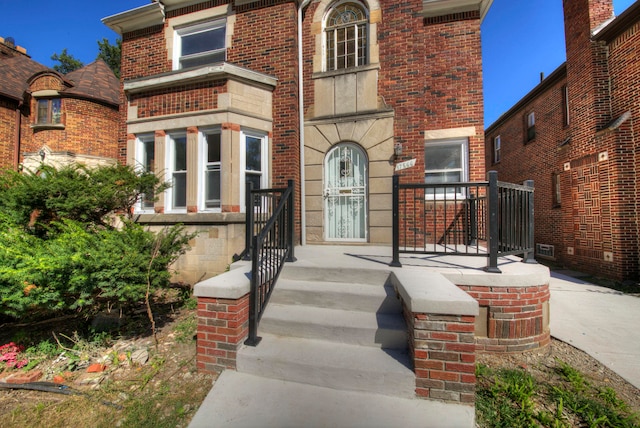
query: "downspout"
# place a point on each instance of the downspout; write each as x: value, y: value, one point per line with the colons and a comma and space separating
x: 303, y: 221
x: 16, y: 155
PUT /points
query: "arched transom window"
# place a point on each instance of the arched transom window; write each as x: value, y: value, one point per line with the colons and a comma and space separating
x: 346, y: 36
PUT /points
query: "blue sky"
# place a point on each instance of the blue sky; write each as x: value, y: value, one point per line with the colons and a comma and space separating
x: 521, y: 38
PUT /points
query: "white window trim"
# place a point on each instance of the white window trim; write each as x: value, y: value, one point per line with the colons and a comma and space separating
x: 202, y: 169
x: 140, y: 154
x: 264, y: 165
x: 464, y: 143
x: 192, y: 29
x: 169, y: 160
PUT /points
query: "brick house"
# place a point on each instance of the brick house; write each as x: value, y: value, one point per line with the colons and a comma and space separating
x: 576, y: 136
x: 331, y: 94
x: 53, y: 118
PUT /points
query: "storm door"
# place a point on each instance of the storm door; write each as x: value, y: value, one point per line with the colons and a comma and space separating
x: 345, y: 194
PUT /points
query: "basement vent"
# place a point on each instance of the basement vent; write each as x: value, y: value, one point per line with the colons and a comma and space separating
x: 545, y: 250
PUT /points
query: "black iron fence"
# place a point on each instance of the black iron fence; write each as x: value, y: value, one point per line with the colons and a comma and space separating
x: 269, y: 231
x: 487, y: 219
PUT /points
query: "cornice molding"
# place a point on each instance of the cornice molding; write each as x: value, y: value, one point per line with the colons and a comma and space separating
x: 431, y: 8
x: 136, y: 19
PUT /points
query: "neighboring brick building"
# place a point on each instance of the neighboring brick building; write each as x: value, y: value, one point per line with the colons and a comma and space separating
x: 576, y: 136
x: 219, y: 92
x: 53, y: 118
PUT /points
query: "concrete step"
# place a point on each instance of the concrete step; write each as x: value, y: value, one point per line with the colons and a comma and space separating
x: 240, y: 400
x: 329, y: 364
x: 354, y: 296
x: 373, y: 329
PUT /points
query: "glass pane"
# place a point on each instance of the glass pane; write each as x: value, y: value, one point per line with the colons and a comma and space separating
x: 203, y: 59
x: 330, y: 50
x: 213, y: 187
x: 180, y: 154
x: 149, y: 156
x: 255, y: 179
x: 443, y: 177
x: 254, y: 155
x: 213, y: 148
x: 203, y: 41
x: 179, y: 189
x: 443, y: 157
x: 56, y: 110
x: 43, y: 110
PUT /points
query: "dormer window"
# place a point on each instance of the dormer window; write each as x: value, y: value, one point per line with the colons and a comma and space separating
x: 346, y: 36
x: 200, y: 44
x: 49, y: 111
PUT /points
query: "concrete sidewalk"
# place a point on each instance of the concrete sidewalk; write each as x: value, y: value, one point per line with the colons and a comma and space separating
x: 602, y: 322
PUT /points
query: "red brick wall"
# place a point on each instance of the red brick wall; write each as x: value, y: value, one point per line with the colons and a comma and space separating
x: 536, y: 160
x: 595, y: 230
x: 7, y: 133
x: 179, y: 99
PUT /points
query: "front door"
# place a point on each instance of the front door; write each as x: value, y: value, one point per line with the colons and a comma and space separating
x: 345, y: 194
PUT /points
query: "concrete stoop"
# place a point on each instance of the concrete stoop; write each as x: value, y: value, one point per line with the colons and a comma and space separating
x: 333, y: 353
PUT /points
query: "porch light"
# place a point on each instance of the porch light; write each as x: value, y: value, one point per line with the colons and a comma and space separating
x: 397, y: 149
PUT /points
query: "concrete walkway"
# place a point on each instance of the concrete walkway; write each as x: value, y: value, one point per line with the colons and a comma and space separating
x: 602, y: 322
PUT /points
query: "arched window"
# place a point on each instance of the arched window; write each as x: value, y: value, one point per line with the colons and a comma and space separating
x: 346, y: 36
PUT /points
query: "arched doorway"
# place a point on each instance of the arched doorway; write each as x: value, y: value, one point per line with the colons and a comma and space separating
x: 345, y: 193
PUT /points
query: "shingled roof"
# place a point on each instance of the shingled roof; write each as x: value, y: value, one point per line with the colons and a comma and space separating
x: 94, y: 81
x: 14, y: 73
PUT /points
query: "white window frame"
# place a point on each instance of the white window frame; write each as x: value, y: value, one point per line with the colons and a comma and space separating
x: 497, y: 154
x: 264, y: 163
x: 140, y: 154
x: 463, y: 144
x: 169, y: 163
x: 325, y: 41
x: 179, y: 33
x: 203, y: 165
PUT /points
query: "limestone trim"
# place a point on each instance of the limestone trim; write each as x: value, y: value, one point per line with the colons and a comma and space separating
x: 431, y: 8
x: 200, y: 119
x: 211, y: 72
x: 350, y: 118
x: 443, y: 134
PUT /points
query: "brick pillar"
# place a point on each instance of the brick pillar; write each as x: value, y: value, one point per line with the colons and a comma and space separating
x: 443, y: 350
x: 223, y: 325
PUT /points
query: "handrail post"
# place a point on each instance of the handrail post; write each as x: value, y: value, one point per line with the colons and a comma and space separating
x: 473, y: 220
x: 395, y: 208
x: 492, y: 223
x: 254, y: 309
x: 529, y: 255
x: 248, y: 208
x: 290, y: 219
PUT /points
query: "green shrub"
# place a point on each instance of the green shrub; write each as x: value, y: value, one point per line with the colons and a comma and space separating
x: 58, y: 251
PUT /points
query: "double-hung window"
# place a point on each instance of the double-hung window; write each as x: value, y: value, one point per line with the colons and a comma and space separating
x: 49, y: 111
x: 254, y: 160
x: 200, y: 44
x: 146, y: 159
x: 177, y: 171
x: 346, y: 36
x: 211, y: 163
x: 496, y: 149
x: 445, y: 162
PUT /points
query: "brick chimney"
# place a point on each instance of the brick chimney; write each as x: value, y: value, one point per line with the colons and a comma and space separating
x: 587, y: 70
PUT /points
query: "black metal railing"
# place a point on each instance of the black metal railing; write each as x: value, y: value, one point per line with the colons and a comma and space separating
x: 487, y: 219
x: 270, y: 230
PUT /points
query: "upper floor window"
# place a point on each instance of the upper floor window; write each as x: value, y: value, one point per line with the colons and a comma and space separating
x: 445, y: 162
x: 530, y: 127
x: 200, y: 44
x: 496, y: 149
x: 49, y: 111
x: 346, y: 36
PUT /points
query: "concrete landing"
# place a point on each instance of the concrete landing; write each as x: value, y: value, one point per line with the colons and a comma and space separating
x: 241, y: 400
